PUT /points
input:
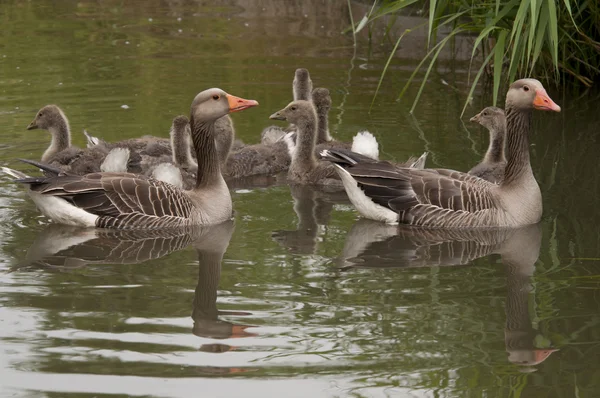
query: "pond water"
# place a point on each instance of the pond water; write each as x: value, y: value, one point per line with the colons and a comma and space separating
x: 298, y: 296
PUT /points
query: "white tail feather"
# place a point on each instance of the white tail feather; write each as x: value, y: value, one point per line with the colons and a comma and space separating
x: 420, y: 162
x: 116, y: 161
x: 91, y: 140
x: 366, y: 144
x: 168, y: 173
x: 290, y: 143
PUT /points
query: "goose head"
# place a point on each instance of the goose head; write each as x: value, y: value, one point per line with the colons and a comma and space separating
x: 527, y: 94
x: 48, y: 118
x: 296, y: 112
x: 302, y: 84
x: 179, y: 123
x: 321, y: 99
x: 491, y: 118
x: 214, y: 103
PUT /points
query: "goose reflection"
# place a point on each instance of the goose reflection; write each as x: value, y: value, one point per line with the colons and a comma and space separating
x: 372, y: 244
x: 205, y: 313
x: 63, y: 247
x: 313, y: 209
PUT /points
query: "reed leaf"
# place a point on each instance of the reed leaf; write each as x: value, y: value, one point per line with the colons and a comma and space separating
x: 498, y: 58
x: 547, y: 39
x: 475, y: 81
x: 387, y: 64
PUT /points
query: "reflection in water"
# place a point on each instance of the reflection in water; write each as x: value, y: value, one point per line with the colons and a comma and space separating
x: 313, y: 208
x: 64, y: 247
x: 205, y: 313
x: 372, y: 244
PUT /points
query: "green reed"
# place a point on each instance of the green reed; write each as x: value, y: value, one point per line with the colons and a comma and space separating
x: 553, y: 40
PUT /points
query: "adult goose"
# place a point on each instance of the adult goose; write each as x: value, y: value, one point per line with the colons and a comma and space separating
x: 302, y: 88
x: 129, y: 201
x: 492, y: 166
x: 451, y: 199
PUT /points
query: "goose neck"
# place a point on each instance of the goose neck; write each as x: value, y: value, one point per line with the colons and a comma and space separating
x: 304, y: 157
x: 518, y: 125
x: 209, y: 172
x: 61, y: 139
x: 180, y: 142
x: 323, y: 126
x: 495, y: 152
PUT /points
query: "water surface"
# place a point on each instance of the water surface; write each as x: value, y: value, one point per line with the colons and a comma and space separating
x: 297, y: 296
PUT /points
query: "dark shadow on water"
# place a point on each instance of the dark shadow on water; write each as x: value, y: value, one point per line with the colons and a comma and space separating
x: 371, y: 244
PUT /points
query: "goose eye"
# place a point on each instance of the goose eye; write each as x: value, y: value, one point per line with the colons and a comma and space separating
x: 526, y: 88
x: 216, y: 97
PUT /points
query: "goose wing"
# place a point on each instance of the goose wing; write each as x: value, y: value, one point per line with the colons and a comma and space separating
x: 436, y: 197
x: 120, y: 200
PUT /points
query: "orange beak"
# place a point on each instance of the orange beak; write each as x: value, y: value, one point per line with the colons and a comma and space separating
x: 542, y: 355
x: 475, y: 118
x: 543, y: 102
x: 237, y: 104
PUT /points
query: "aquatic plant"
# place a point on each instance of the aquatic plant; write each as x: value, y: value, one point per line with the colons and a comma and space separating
x: 553, y: 40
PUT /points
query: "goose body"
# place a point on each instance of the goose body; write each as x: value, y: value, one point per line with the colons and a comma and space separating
x: 491, y: 168
x: 129, y: 201
x: 60, y: 153
x: 447, y: 198
x: 305, y: 168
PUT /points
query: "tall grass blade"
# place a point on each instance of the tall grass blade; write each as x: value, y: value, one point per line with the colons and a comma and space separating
x: 568, y: 7
x: 387, y: 64
x: 365, y: 19
x: 433, y: 59
x: 534, y: 17
x: 540, y: 35
x: 498, y: 58
x: 418, y: 67
x: 553, y: 32
x: 483, y: 35
x: 432, y: 10
x: 477, y: 76
x: 362, y: 24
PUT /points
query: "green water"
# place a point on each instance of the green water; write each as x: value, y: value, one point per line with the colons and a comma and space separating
x: 298, y: 297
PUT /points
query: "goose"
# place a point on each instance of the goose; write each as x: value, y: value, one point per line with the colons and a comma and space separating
x: 302, y: 88
x: 491, y: 168
x: 53, y: 119
x: 447, y: 198
x: 364, y: 142
x: 63, y: 155
x: 129, y: 201
x: 305, y: 168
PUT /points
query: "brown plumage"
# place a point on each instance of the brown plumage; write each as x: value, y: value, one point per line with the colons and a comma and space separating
x: 128, y: 201
x: 447, y: 198
x: 61, y: 153
x: 491, y: 168
x: 305, y: 168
